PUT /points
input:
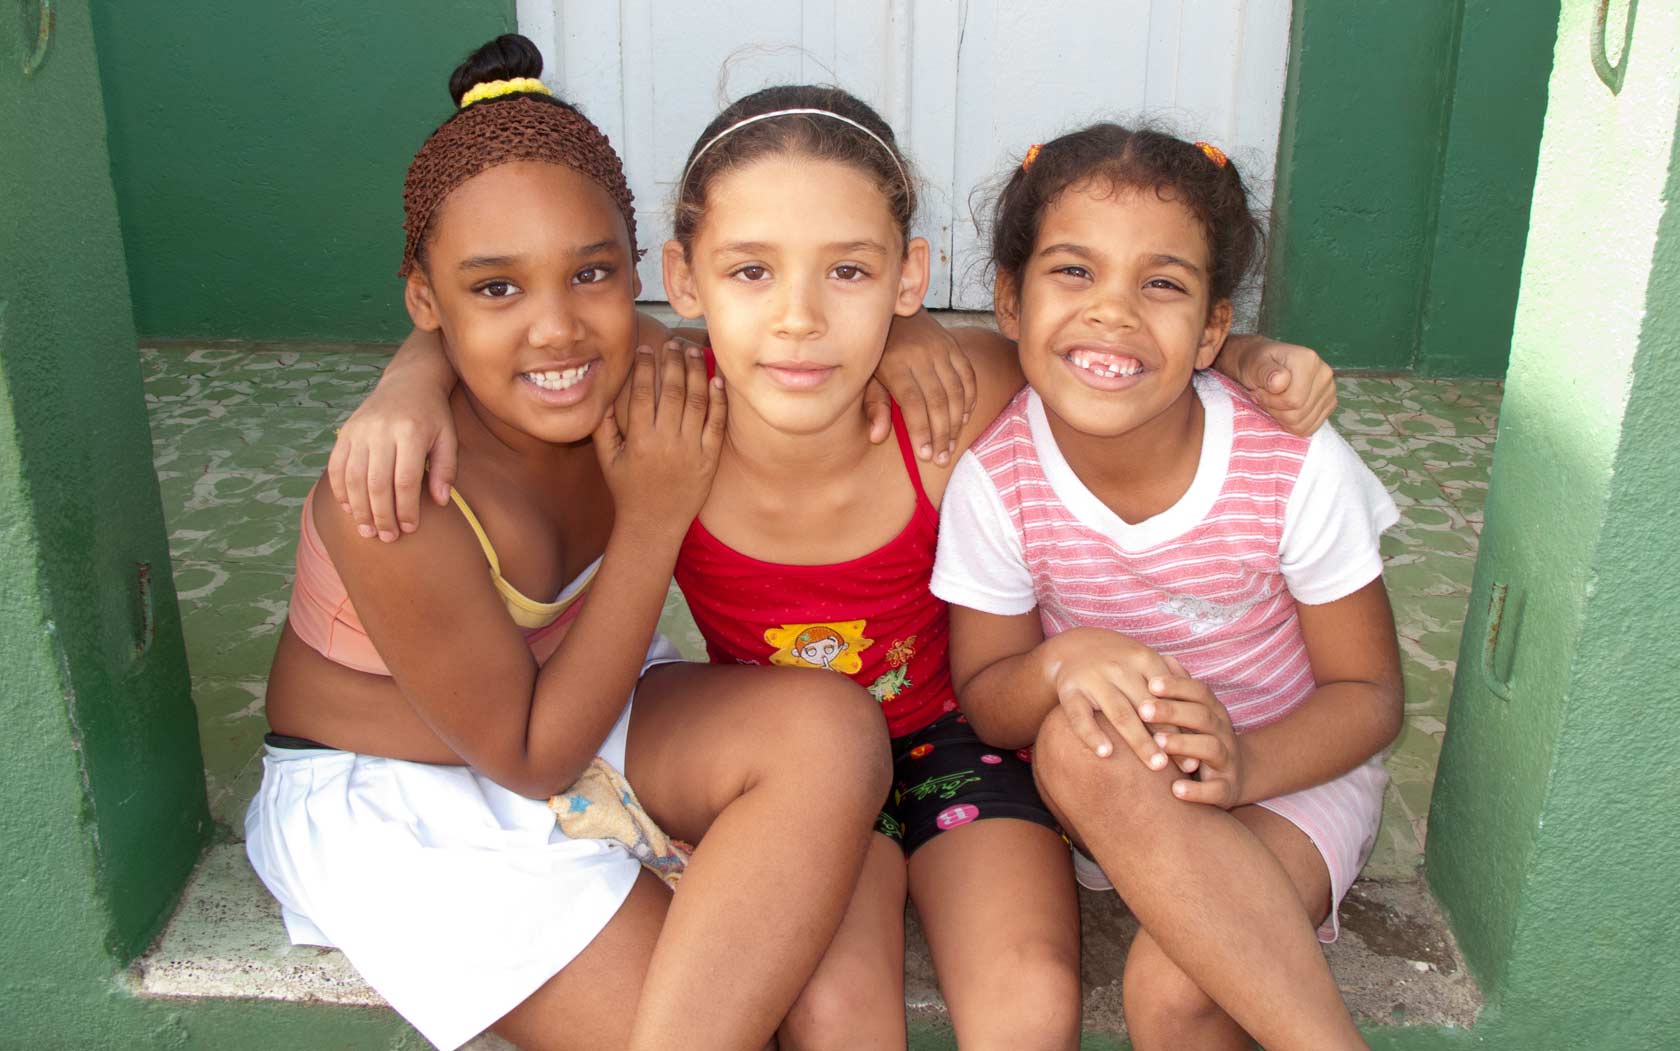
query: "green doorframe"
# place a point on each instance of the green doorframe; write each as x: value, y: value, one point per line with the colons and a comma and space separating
x: 1554, y: 838
x: 1405, y: 164
x: 105, y: 811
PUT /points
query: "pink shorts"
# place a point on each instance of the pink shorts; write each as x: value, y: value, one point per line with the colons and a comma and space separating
x: 1341, y: 817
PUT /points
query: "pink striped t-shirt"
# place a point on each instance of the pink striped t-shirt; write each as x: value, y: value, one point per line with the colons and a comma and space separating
x: 1270, y: 519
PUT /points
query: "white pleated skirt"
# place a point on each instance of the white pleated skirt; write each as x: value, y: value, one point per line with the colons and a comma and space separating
x: 454, y: 897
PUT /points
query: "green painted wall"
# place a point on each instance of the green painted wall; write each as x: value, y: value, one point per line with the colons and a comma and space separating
x: 1486, y: 179
x: 1554, y: 839
x: 101, y: 743
x: 104, y: 809
x: 1405, y: 162
x: 258, y: 152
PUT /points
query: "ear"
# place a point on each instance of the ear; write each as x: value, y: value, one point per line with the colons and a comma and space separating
x: 913, y: 277
x: 635, y: 281
x: 1213, y: 333
x: 421, y: 302
x: 680, y: 287
x: 1006, y: 305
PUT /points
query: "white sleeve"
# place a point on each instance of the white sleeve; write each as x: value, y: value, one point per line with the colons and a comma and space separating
x: 980, y: 564
x: 1334, y: 523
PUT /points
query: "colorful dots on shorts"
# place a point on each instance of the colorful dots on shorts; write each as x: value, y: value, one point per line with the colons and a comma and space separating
x: 1024, y: 755
x: 991, y: 759
x: 961, y: 814
x: 920, y: 750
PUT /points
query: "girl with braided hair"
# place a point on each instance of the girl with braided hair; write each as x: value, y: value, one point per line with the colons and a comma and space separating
x: 431, y: 701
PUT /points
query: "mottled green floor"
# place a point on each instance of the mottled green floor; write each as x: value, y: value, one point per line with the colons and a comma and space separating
x: 241, y: 432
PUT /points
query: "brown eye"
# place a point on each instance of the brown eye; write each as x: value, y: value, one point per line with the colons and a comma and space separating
x: 498, y: 289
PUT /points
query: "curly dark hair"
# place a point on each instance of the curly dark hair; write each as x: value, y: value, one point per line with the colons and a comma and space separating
x: 1132, y: 159
x: 804, y: 135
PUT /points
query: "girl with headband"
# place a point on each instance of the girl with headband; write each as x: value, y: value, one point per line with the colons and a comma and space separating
x: 815, y: 547
x: 432, y: 701
x: 1136, y: 556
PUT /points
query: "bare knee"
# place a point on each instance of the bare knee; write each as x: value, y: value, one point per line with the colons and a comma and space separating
x: 826, y: 730
x: 833, y: 1006
x: 1032, y: 998
x: 1073, y: 779
x: 1159, y: 999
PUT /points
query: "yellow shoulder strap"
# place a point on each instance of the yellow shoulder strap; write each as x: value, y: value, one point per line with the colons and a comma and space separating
x: 483, y: 540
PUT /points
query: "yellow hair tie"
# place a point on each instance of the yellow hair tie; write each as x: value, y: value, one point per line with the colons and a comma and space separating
x: 1214, y: 153
x: 1032, y: 155
x: 495, y: 89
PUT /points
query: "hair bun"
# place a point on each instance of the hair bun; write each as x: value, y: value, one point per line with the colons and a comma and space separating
x: 508, y: 57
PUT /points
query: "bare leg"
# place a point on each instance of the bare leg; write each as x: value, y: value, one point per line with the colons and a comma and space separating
x: 1213, y: 898
x: 592, y: 1002
x: 997, y: 903
x: 776, y: 775
x: 1164, y: 1007
x: 856, y: 998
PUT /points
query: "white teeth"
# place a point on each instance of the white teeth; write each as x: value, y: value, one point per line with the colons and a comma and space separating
x: 1101, y: 365
x: 558, y: 379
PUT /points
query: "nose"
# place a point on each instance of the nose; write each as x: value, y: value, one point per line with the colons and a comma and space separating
x: 556, y: 324
x: 1112, y: 306
x: 799, y: 314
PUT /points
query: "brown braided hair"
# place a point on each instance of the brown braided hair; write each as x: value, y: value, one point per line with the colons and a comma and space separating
x: 496, y: 131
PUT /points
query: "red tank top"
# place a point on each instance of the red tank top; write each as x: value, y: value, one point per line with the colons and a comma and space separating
x: 872, y: 618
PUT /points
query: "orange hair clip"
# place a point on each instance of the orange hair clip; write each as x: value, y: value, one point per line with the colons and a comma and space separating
x: 1032, y: 155
x: 1214, y: 153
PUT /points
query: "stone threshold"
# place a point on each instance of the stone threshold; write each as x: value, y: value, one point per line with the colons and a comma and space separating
x: 1396, y: 962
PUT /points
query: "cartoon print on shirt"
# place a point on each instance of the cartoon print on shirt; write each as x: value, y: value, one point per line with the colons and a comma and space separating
x: 896, y: 679
x: 837, y: 646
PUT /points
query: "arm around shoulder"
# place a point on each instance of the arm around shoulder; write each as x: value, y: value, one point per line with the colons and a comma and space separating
x: 997, y: 374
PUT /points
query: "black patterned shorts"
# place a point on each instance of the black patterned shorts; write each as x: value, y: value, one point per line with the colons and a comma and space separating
x: 944, y: 777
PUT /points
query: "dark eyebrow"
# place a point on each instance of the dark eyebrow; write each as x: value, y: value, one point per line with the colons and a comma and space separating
x: 497, y: 262
x: 1164, y: 259
x: 1158, y: 259
x: 762, y: 247
x: 487, y: 262
x: 1065, y: 248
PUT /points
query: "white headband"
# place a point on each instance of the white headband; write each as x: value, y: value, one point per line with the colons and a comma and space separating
x: 715, y: 139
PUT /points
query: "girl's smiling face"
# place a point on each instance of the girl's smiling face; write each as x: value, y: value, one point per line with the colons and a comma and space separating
x: 529, y: 277
x: 1111, y: 311
x: 799, y: 269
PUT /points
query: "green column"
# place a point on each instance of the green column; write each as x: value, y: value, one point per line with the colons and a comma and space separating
x: 1554, y: 837
x: 104, y: 809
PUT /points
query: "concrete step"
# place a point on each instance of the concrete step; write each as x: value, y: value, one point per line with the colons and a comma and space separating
x: 1396, y: 962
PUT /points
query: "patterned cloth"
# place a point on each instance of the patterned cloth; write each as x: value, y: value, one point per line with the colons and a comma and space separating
x: 600, y: 805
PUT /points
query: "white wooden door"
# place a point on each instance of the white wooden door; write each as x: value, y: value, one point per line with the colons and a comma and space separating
x: 967, y: 85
